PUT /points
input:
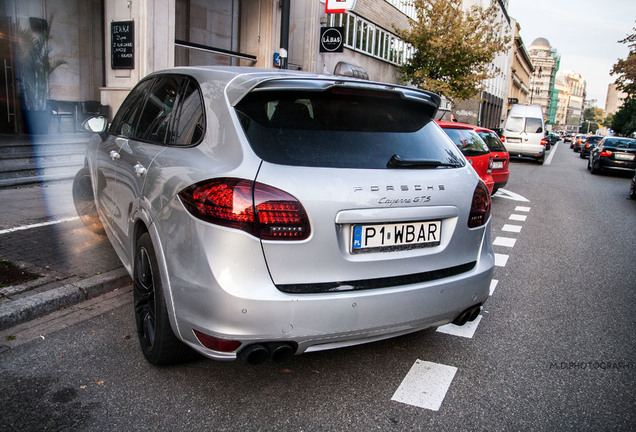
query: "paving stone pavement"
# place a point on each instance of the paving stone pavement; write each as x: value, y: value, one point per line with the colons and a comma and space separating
x: 40, y: 232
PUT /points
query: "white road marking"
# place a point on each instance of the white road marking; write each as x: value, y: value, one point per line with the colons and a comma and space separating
x: 465, y: 331
x: 511, y: 228
x: 425, y: 385
x: 518, y: 217
x: 501, y: 260
x: 493, y: 285
x: 549, y: 159
x: 503, y: 193
x: 504, y: 241
x: 522, y: 209
x: 38, y: 225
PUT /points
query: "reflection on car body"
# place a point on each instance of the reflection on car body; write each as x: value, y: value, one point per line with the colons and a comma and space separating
x: 240, y: 192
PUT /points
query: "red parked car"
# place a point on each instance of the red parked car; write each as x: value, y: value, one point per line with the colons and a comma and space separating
x: 473, y: 147
x: 500, y: 156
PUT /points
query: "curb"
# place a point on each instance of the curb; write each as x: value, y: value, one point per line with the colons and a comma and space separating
x: 22, y: 310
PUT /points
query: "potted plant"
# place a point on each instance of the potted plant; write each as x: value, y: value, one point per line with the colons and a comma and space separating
x: 36, y: 65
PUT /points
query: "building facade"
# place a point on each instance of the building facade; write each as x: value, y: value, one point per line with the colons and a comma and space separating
x: 570, y: 87
x: 546, y: 64
x: 520, y: 71
x: 615, y: 99
x: 107, y: 46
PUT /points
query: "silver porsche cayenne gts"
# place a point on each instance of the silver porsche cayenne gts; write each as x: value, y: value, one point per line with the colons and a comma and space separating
x: 267, y: 213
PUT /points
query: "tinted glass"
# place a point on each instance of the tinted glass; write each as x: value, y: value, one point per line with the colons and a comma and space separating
x: 359, y: 129
x: 492, y: 141
x: 125, y: 122
x: 620, y: 143
x: 467, y: 141
x: 155, y: 118
x: 189, y: 124
x: 515, y: 124
x: 533, y: 125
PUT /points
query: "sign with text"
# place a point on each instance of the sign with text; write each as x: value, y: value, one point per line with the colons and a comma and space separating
x: 331, y: 39
x: 122, y: 44
x: 339, y: 6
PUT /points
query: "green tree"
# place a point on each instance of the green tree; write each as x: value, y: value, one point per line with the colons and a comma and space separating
x: 626, y: 69
x: 454, y: 49
x: 624, y: 122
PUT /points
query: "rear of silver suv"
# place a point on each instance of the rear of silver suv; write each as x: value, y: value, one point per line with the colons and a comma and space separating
x: 316, y: 212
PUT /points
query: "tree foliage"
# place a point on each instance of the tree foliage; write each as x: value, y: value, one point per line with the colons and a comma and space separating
x: 626, y: 69
x: 624, y: 121
x: 454, y: 49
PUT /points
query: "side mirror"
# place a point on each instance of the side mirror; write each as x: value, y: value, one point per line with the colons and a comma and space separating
x: 96, y: 124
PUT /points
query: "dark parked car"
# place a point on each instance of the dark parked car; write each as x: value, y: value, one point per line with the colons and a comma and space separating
x: 613, y: 152
x: 577, y: 142
x: 589, y: 143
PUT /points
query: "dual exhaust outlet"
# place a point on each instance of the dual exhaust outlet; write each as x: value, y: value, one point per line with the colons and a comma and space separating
x: 278, y: 352
x: 469, y: 314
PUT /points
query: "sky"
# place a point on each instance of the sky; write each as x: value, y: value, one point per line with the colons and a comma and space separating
x: 584, y: 32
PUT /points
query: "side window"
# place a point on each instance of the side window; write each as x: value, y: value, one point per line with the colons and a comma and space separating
x: 125, y: 121
x: 157, y: 113
x: 189, y: 125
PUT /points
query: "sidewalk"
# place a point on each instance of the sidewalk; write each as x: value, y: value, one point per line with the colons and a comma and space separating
x: 40, y: 232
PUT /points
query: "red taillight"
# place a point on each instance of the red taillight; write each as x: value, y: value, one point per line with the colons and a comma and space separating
x: 480, y: 207
x: 543, y: 141
x: 605, y: 153
x: 261, y: 210
x: 216, y: 344
x: 503, y: 139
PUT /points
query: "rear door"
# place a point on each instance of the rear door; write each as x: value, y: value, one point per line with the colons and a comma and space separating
x: 386, y: 192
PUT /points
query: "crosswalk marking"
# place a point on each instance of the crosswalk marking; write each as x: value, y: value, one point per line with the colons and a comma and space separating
x: 518, y: 217
x: 504, y: 241
x: 511, y: 228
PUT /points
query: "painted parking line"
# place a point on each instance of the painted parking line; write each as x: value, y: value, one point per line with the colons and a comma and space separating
x: 511, y: 228
x: 38, y: 225
x: 522, y: 209
x: 466, y: 331
x: 425, y: 385
x: 501, y: 260
x: 493, y: 285
x: 518, y: 217
x: 504, y: 241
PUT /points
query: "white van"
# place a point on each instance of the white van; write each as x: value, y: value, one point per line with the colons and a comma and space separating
x: 524, y: 132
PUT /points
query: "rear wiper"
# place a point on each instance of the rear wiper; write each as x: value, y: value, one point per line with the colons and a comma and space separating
x: 396, y: 161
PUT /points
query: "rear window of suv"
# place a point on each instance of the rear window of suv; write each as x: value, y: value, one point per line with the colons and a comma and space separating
x: 356, y: 129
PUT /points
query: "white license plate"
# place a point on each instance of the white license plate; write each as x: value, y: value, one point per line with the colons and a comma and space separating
x: 403, y: 235
x: 623, y: 156
x: 497, y: 165
x: 514, y: 140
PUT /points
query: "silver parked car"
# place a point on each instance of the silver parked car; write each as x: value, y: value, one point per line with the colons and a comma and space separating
x: 266, y: 213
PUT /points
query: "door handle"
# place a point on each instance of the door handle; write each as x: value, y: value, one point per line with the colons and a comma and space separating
x: 139, y: 169
x: 114, y: 155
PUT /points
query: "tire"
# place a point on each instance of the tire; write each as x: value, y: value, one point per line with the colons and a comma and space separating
x: 595, y: 168
x: 84, y: 201
x: 158, y: 342
x: 540, y: 161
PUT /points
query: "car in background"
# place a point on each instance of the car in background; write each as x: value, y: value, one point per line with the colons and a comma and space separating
x: 500, y: 157
x: 589, y: 143
x: 568, y: 138
x: 524, y: 132
x: 577, y: 142
x: 267, y: 213
x: 613, y: 153
x: 473, y: 148
x: 551, y: 139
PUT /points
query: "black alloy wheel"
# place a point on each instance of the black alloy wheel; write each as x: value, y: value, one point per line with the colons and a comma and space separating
x: 158, y: 342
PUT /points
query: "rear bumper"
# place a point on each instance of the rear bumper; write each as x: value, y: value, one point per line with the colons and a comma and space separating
x: 248, y: 308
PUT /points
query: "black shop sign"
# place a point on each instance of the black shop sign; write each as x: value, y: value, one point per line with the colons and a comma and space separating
x: 331, y: 39
x: 122, y: 44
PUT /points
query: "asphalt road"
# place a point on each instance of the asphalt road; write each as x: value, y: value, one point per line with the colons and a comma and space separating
x: 554, y: 349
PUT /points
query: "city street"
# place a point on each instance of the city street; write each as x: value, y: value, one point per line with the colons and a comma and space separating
x: 554, y: 348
